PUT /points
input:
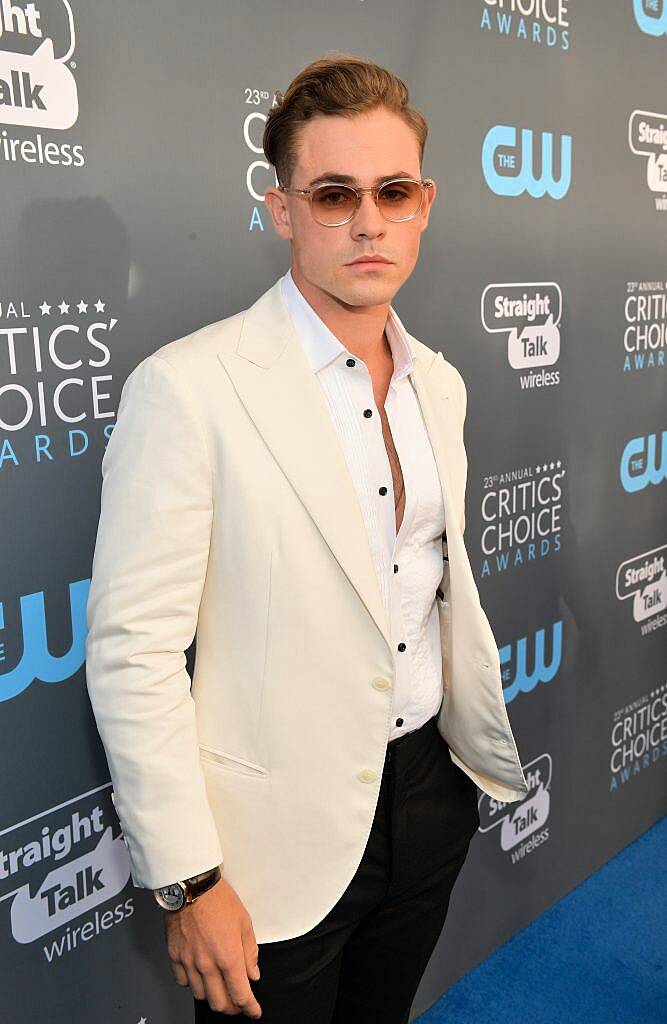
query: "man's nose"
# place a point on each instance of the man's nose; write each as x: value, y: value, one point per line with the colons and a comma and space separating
x: 368, y: 220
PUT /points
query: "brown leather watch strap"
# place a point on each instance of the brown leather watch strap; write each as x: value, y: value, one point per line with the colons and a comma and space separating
x: 199, y: 884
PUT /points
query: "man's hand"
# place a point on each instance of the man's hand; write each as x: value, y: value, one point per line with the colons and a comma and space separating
x: 212, y: 948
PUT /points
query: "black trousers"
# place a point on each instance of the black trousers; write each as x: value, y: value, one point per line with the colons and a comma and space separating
x: 362, y: 963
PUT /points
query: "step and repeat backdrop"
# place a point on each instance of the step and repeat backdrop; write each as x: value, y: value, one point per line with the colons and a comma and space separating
x: 132, y: 213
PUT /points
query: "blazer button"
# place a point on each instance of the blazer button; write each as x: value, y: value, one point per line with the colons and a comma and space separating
x: 380, y: 683
x: 367, y: 775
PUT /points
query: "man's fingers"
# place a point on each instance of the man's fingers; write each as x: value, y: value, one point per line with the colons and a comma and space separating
x: 196, y: 982
x: 217, y: 995
x: 251, y: 953
x: 240, y: 992
x: 179, y: 973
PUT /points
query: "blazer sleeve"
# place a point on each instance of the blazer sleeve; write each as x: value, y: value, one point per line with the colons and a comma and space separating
x: 149, y: 567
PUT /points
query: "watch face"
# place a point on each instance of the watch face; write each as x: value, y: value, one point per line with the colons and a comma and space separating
x: 170, y: 897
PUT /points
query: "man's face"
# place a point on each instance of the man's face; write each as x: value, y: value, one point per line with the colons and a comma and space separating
x: 376, y: 144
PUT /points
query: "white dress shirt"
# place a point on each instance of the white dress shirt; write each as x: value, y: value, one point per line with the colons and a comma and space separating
x: 408, y: 565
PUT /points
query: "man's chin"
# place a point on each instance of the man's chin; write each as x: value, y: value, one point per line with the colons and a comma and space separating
x: 366, y: 292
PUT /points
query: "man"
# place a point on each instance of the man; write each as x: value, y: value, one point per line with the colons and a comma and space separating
x: 289, y: 482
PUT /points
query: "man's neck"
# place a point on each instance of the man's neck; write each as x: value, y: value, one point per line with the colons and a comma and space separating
x: 361, y: 329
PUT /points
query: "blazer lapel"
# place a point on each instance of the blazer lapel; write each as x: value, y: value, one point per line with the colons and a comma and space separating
x: 435, y: 393
x: 272, y: 377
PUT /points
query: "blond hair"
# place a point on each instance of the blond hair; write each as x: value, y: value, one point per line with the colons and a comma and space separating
x: 342, y: 84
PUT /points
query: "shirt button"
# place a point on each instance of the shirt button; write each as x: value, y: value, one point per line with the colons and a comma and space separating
x: 367, y: 775
x: 383, y: 490
x: 381, y: 683
x: 368, y: 412
x: 399, y: 721
x: 395, y: 567
x: 401, y: 647
x: 350, y: 362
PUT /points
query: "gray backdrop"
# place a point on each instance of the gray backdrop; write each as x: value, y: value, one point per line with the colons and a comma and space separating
x: 132, y: 213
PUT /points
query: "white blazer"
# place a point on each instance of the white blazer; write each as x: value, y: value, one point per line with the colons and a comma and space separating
x: 228, y: 508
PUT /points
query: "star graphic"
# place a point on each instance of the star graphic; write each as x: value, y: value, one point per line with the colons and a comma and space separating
x: 82, y: 307
x: 45, y: 308
x: 142, y: 1020
x: 99, y: 306
x: 64, y: 307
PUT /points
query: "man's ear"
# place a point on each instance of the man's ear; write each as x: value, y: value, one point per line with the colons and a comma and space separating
x: 429, y: 196
x: 276, y: 202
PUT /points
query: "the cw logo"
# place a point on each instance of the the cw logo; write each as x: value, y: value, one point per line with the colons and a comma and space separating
x: 36, y: 661
x: 651, y: 16
x: 517, y: 168
x: 640, y: 463
x: 526, y: 680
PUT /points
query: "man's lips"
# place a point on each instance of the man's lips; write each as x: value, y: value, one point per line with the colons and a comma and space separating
x: 369, y: 260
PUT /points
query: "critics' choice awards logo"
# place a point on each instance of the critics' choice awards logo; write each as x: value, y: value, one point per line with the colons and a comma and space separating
x: 543, y: 22
x: 508, y: 163
x: 644, y: 462
x: 35, y: 660
x: 643, y: 579
x: 647, y: 136
x: 521, y: 510
x: 651, y: 16
x: 638, y: 737
x: 645, y: 335
x: 259, y: 174
x: 37, y: 87
x: 50, y: 359
x: 521, y: 826
x: 57, y: 870
x: 528, y: 316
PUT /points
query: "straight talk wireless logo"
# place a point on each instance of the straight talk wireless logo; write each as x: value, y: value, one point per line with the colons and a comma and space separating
x: 37, y: 86
x: 521, y: 828
x: 526, y: 317
x: 647, y: 138
x: 59, y: 867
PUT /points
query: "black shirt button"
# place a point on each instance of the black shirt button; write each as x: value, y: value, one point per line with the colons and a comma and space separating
x: 395, y: 567
x: 399, y: 721
x: 350, y: 362
x: 383, y: 490
x: 368, y: 412
x: 401, y: 647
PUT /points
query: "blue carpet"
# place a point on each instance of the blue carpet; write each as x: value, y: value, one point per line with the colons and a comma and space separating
x: 597, y: 956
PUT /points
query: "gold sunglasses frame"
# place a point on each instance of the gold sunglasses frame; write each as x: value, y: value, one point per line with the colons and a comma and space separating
x: 424, y: 184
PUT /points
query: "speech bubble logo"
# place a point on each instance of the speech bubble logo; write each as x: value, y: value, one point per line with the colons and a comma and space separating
x: 71, y: 889
x: 37, y: 89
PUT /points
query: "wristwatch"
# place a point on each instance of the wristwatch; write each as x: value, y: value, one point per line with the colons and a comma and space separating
x: 177, y: 894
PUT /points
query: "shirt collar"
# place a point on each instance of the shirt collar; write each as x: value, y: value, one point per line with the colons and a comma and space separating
x: 323, y: 347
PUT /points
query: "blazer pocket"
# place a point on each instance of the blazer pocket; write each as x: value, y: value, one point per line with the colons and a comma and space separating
x: 222, y: 759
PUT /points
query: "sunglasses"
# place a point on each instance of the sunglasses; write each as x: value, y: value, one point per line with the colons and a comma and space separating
x: 332, y: 204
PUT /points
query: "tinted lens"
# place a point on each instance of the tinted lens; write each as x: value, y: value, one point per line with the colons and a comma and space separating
x: 333, y: 204
x: 399, y: 200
